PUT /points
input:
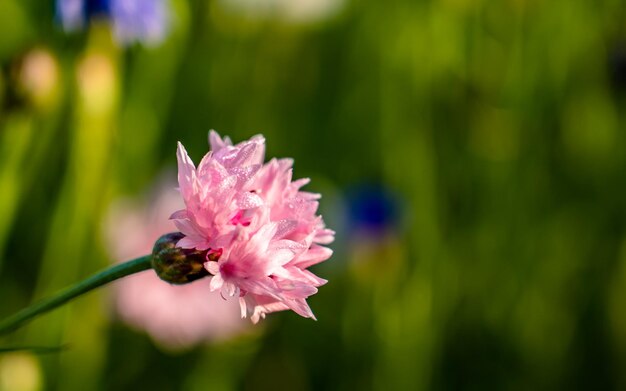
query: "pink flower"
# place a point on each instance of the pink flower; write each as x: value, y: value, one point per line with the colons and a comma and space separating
x: 175, y: 316
x: 260, y: 231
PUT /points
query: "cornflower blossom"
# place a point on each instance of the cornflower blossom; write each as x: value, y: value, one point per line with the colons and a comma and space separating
x: 260, y: 231
x: 373, y: 211
x: 175, y: 316
x: 145, y: 21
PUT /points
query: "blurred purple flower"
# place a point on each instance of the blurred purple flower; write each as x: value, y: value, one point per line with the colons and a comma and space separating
x: 372, y: 211
x: 145, y: 21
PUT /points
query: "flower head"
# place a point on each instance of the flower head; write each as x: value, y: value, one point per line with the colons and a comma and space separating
x: 260, y: 231
x: 145, y: 21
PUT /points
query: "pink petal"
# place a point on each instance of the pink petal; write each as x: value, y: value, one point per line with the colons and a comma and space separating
x: 216, y: 283
x: 300, y: 307
x: 212, y: 267
x: 325, y: 236
x: 262, y: 286
x: 186, y: 171
x: 188, y: 242
x: 249, y: 200
x: 285, y: 227
x: 179, y: 214
x: 216, y: 142
x: 312, y: 256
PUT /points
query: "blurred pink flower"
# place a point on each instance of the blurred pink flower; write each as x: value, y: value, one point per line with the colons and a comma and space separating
x: 261, y: 232
x: 175, y: 316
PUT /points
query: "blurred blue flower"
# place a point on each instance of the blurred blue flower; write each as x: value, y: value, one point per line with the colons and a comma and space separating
x: 372, y: 210
x: 145, y: 21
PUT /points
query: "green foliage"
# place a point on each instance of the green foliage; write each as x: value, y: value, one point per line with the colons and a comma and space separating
x: 498, y: 124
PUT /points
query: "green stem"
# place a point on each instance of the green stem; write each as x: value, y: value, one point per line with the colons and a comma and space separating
x: 111, y: 274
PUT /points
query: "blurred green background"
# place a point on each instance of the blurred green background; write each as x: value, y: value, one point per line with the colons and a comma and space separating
x: 498, y: 127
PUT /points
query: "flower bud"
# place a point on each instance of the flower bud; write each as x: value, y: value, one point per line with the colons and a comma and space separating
x: 177, y: 265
